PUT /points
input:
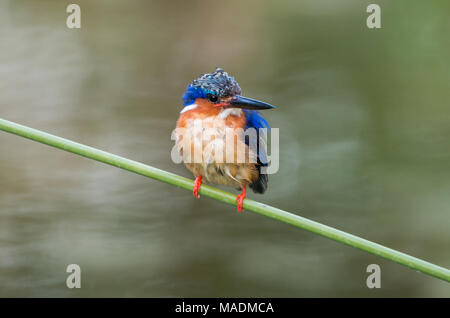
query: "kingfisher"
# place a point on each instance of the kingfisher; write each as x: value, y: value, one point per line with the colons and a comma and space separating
x: 214, y: 100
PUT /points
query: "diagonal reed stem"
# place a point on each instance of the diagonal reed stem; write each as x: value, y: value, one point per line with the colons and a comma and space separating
x: 250, y: 205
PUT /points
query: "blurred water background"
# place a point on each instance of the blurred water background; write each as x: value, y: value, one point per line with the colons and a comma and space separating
x: 364, y: 122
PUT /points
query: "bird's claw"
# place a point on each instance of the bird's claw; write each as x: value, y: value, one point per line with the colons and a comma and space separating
x: 197, y: 185
x: 240, y: 200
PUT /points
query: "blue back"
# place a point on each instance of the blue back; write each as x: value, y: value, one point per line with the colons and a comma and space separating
x: 256, y: 120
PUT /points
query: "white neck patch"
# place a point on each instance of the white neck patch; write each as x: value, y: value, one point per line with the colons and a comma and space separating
x: 230, y: 111
x: 189, y: 107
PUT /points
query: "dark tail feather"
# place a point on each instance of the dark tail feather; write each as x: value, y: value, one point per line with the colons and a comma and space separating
x: 260, y: 185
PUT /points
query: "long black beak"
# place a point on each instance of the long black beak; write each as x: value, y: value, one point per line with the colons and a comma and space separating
x: 248, y: 103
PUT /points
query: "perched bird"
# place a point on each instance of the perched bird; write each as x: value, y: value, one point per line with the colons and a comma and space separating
x: 214, y: 100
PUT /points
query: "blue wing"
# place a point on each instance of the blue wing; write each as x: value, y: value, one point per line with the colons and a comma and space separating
x: 256, y: 120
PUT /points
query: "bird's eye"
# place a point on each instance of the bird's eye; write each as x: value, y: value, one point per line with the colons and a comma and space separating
x: 213, y: 98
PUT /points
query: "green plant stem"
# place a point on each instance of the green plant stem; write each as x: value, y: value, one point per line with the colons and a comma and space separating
x: 250, y: 205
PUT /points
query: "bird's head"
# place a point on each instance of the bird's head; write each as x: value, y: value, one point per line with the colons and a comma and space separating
x: 220, y: 90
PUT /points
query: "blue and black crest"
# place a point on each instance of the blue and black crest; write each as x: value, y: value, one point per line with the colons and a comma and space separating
x: 218, y: 84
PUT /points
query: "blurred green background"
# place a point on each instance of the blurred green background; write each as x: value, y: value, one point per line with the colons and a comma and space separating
x: 364, y: 122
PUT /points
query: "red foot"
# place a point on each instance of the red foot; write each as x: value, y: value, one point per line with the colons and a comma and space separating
x: 240, y: 200
x: 197, y: 185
